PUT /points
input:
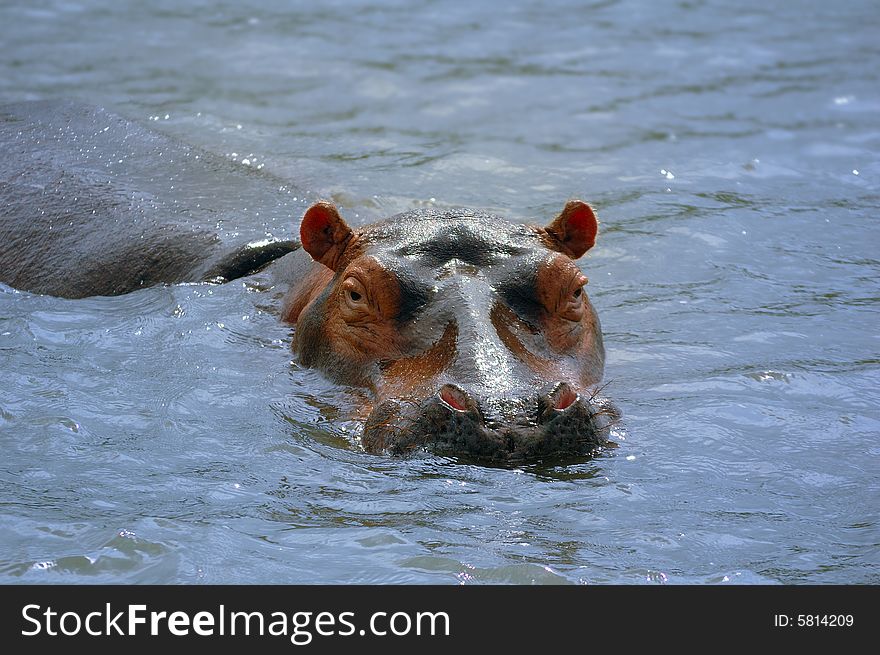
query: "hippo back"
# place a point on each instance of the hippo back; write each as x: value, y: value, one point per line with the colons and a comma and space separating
x: 94, y: 204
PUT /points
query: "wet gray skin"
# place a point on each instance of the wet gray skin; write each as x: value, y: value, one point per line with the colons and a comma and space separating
x: 93, y: 204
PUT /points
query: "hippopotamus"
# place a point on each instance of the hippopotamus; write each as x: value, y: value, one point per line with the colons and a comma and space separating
x: 472, y: 334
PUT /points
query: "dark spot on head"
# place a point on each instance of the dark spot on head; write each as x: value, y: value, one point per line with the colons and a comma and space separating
x: 519, y: 291
x: 413, y: 296
x: 414, y: 293
x: 470, y: 244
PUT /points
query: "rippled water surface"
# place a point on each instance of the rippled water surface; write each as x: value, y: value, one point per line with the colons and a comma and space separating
x: 731, y: 150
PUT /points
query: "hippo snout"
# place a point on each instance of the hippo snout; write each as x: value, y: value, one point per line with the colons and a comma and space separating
x: 557, y: 422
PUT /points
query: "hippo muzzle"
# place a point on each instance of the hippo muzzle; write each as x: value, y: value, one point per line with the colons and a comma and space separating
x: 557, y: 423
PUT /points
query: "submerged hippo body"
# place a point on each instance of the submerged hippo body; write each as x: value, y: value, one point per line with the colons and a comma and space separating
x: 474, y: 334
x: 94, y: 204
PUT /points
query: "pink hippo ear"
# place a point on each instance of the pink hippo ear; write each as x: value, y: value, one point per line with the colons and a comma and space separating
x: 574, y: 229
x: 324, y: 233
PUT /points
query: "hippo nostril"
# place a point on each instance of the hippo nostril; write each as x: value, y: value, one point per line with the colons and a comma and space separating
x: 563, y: 396
x: 454, y: 397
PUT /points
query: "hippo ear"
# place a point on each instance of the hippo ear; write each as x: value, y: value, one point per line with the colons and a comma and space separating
x: 324, y: 233
x: 574, y: 229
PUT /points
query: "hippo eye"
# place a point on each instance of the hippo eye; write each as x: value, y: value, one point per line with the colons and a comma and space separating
x: 354, y: 293
x: 573, y: 308
x: 579, y: 281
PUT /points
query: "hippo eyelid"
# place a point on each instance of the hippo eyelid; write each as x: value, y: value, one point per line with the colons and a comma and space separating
x: 356, y: 292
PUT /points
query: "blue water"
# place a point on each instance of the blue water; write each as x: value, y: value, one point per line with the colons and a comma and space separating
x: 731, y: 151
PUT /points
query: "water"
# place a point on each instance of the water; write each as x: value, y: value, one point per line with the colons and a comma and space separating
x: 731, y: 151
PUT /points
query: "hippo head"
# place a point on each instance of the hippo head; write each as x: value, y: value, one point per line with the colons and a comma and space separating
x: 474, y: 334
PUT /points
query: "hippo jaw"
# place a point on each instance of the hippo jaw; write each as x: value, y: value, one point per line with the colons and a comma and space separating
x: 557, y: 424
